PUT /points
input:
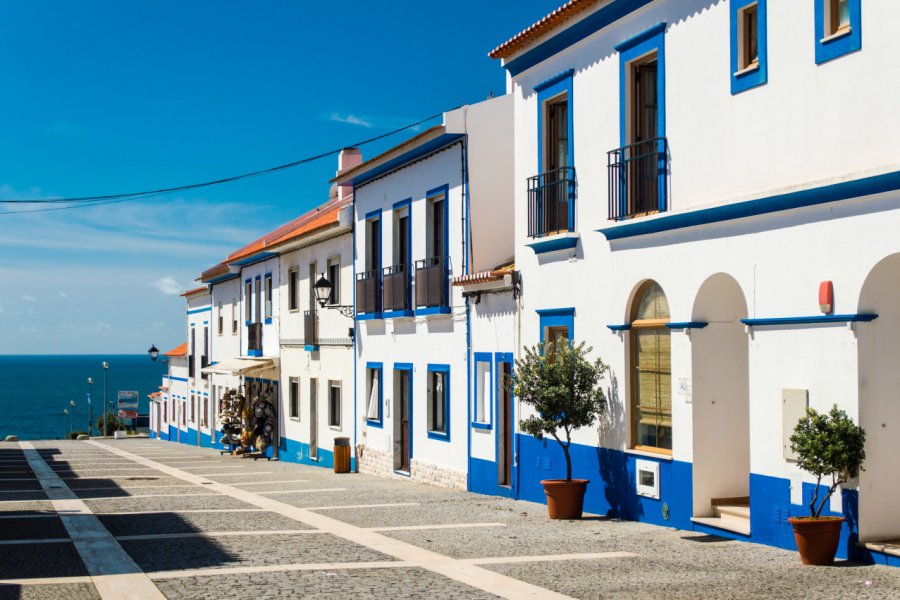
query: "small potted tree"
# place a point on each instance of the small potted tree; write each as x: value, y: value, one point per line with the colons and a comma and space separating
x: 827, y: 445
x: 563, y: 386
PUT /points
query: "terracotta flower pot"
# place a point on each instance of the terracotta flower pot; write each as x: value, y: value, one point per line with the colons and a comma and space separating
x: 565, y: 499
x: 817, y: 539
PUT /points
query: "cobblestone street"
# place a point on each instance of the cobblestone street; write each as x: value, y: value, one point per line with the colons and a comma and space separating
x: 91, y: 519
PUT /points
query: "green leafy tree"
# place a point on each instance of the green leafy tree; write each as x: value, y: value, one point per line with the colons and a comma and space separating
x: 564, y: 387
x: 115, y: 423
x: 828, y: 444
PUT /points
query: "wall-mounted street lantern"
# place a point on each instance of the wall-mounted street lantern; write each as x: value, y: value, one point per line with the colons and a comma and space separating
x: 323, y: 289
x: 153, y: 352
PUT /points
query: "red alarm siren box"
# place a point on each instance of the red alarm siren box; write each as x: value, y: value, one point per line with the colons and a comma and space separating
x: 826, y: 297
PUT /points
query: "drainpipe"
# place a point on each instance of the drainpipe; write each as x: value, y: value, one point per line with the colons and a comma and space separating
x: 464, y: 174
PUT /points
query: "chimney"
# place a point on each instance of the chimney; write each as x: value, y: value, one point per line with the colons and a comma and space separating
x: 347, y: 159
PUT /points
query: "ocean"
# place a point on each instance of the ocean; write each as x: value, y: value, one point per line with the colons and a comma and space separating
x: 34, y: 390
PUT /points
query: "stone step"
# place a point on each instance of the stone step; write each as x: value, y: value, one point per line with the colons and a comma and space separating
x: 734, y: 525
x: 738, y: 512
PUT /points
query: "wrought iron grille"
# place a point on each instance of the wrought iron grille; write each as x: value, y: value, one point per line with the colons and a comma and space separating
x: 368, y: 292
x: 638, y: 179
x: 431, y: 281
x: 396, y: 287
x: 551, y: 202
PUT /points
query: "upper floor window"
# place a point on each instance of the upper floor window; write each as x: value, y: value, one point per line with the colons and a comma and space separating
x: 748, y: 44
x: 248, y: 297
x: 312, y: 286
x: 838, y: 28
x: 750, y: 37
x: 293, y: 288
x: 268, y: 292
x: 557, y: 327
x: 651, y: 371
x: 220, y: 319
x: 257, y: 301
x: 234, y: 317
x: 334, y: 276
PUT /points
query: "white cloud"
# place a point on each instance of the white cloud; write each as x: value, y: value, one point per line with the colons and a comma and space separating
x: 63, y: 295
x: 351, y: 120
x: 1, y: 309
x: 28, y: 298
x: 167, y: 285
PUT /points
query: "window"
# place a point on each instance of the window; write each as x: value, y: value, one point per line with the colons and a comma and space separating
x: 234, y: 317
x: 268, y: 292
x: 294, y: 392
x: 312, y: 286
x: 165, y: 407
x: 248, y: 294
x: 438, y: 401
x: 437, y: 221
x: 204, y: 417
x: 193, y: 408
x: 483, y: 389
x: 334, y: 276
x: 257, y: 301
x: 204, y: 358
x: 837, y: 28
x: 651, y: 371
x: 334, y: 403
x: 293, y: 289
x: 192, y: 353
x: 748, y: 44
x: 557, y: 325
x: 374, y: 393
x: 220, y: 320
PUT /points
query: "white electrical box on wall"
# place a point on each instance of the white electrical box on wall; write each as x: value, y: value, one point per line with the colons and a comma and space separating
x: 793, y: 408
x: 647, y: 478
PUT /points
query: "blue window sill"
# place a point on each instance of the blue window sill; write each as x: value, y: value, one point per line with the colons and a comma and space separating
x: 369, y: 316
x: 433, y: 310
x: 554, y: 243
x: 434, y: 435
x: 311, y: 348
x: 269, y: 321
x: 477, y: 425
x: 247, y: 323
x: 394, y: 314
x: 378, y: 424
x: 254, y: 352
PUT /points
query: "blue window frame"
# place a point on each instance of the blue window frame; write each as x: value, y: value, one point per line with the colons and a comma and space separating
x: 248, y: 306
x: 267, y: 292
x: 438, y: 254
x: 402, y: 258
x: 838, y: 28
x: 438, y: 402
x: 749, y: 63
x: 483, y: 391
x: 372, y: 265
x: 556, y: 323
x: 375, y: 394
x: 552, y: 91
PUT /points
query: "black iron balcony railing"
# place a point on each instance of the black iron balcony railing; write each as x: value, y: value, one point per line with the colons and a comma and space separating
x: 396, y: 287
x: 551, y: 202
x: 311, y: 327
x: 638, y: 179
x: 368, y: 292
x: 254, y: 337
x: 431, y: 281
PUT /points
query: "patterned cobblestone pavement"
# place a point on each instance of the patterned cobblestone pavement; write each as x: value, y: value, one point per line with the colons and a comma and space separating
x: 222, y: 527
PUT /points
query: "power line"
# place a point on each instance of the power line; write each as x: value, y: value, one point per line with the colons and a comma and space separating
x: 86, y: 201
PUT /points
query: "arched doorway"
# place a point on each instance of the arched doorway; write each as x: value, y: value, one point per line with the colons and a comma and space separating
x: 721, y: 405
x: 878, y: 346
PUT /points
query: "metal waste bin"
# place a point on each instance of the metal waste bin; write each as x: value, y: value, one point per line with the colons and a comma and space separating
x: 342, y: 455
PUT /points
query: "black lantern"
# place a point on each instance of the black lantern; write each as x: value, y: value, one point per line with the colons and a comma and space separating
x: 153, y: 352
x: 323, y: 291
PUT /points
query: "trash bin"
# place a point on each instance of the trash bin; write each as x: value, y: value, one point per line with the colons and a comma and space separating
x: 342, y: 455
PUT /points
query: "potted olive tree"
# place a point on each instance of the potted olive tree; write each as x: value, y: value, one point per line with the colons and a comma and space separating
x: 827, y: 445
x: 563, y: 386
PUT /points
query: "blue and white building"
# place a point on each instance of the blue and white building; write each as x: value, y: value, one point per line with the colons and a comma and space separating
x: 706, y: 191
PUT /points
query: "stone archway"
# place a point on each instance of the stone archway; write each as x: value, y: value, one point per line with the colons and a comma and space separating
x: 721, y: 402
x: 878, y: 346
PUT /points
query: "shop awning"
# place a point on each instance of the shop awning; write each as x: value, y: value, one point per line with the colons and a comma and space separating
x: 243, y: 366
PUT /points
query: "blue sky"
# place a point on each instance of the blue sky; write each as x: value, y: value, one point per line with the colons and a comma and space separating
x: 109, y: 96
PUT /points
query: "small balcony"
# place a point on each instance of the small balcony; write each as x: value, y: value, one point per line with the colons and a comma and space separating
x: 551, y: 202
x: 204, y: 362
x: 254, y: 339
x: 311, y: 329
x: 396, y: 285
x: 638, y: 179
x: 368, y: 292
x: 432, y: 277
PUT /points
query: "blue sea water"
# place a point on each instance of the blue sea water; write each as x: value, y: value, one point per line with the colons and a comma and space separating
x: 34, y: 390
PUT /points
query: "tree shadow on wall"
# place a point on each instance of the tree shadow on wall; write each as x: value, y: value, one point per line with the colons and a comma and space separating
x: 618, y: 481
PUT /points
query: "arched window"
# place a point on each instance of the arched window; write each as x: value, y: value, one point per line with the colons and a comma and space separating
x: 651, y: 371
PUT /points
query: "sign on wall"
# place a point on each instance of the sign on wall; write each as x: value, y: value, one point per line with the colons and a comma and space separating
x: 128, y: 405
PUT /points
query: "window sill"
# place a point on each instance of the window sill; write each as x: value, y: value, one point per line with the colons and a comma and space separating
x: 554, y: 243
x: 376, y: 424
x: 311, y: 347
x: 398, y: 314
x: 334, y: 427
x: 434, y: 435
x: 836, y: 35
x: 432, y: 310
x: 294, y: 310
x: 369, y: 316
x: 297, y: 419
x: 747, y: 70
x: 646, y: 454
x: 478, y: 425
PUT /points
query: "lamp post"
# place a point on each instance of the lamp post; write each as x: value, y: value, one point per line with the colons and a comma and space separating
x: 323, y: 292
x: 90, y: 400
x: 105, y: 366
x: 153, y: 352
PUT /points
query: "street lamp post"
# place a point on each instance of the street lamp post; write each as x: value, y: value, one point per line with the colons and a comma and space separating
x: 90, y: 400
x: 105, y: 366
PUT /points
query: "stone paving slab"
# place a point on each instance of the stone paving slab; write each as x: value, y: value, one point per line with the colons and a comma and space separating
x: 31, y: 529
x: 164, y: 504
x: 23, y: 508
x: 120, y: 492
x: 77, y: 484
x: 18, y: 496
x: 164, y: 523
x: 69, y: 591
x: 28, y: 561
x: 362, y: 584
x: 198, y: 553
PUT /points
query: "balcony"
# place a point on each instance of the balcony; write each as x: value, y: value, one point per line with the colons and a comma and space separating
x: 638, y: 179
x: 368, y: 293
x: 204, y: 362
x: 396, y: 289
x: 254, y: 339
x: 432, y: 277
x: 311, y: 330
x: 551, y: 202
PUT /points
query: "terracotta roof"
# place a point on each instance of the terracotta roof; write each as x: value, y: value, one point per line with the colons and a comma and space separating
x: 484, y: 276
x: 213, y: 272
x: 317, y: 218
x: 194, y: 291
x: 559, y: 16
x: 177, y: 351
x: 401, y: 146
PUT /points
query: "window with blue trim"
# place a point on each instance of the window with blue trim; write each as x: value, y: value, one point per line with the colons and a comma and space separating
x: 374, y: 393
x: 749, y: 46
x: 248, y: 295
x: 368, y: 282
x: 557, y: 325
x: 838, y: 28
x: 268, y: 293
x: 439, y: 401
x: 483, y: 390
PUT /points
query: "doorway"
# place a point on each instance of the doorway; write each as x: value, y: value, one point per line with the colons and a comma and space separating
x: 314, y: 419
x: 402, y: 419
x: 505, y: 423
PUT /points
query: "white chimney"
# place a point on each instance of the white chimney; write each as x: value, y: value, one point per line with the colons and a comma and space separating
x: 347, y: 159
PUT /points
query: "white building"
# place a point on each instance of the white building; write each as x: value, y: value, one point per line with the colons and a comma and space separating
x: 688, y: 175
x: 172, y: 393
x: 412, y: 236
x: 195, y: 412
